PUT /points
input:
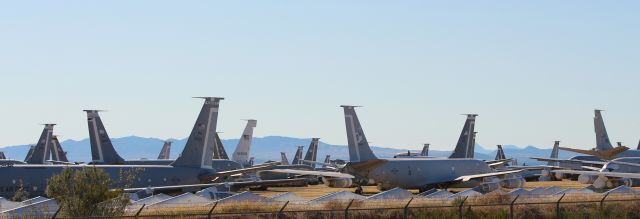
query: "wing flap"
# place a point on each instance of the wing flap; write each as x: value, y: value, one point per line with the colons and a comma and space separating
x: 475, y: 176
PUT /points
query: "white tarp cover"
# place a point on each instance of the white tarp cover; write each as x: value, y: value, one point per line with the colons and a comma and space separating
x: 465, y: 193
x: 243, y: 197
x: 396, y: 193
x: 342, y: 195
x: 186, y: 199
x: 439, y: 194
x: 42, y: 209
x: 287, y: 196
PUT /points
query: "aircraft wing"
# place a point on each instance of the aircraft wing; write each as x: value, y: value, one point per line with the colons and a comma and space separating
x: 597, y: 173
x: 228, y: 185
x: 476, y: 176
x: 312, y: 173
x: 603, y: 154
x: 566, y: 160
x: 497, y: 162
x: 216, y: 175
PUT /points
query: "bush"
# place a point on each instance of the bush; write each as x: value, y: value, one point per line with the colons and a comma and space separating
x: 84, y: 192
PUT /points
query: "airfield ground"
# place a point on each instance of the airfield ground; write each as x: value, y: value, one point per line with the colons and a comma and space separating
x: 314, y: 191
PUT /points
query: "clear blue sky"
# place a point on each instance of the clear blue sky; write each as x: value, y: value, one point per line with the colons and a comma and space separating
x: 533, y: 70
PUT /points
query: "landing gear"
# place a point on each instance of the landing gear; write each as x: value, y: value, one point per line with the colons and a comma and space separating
x: 359, y: 190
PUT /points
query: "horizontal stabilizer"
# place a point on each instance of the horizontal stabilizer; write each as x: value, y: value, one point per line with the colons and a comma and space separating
x: 602, y: 154
x: 312, y: 173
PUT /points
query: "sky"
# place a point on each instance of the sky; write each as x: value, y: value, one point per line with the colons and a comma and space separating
x: 533, y: 70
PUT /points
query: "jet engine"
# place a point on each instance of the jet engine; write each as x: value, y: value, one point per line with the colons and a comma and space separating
x: 587, y: 179
x: 337, y: 182
x: 512, y: 183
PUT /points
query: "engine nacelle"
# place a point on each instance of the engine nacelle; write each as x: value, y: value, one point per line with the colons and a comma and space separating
x: 630, y: 182
x: 337, y: 182
x: 512, y: 183
x: 560, y: 176
x: 488, y: 187
x: 587, y: 179
x: 601, y: 182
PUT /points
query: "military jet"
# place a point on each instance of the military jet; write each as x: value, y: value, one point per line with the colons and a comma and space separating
x: 165, y: 151
x: 194, y: 166
x: 241, y: 154
x: 365, y: 167
x: 619, y: 171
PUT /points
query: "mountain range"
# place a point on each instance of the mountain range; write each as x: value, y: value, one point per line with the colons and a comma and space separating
x: 264, y: 149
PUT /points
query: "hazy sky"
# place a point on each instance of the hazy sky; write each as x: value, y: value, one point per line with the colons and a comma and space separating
x: 533, y: 70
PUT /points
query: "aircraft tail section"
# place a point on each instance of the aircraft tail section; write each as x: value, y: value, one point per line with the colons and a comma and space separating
x: 554, y: 154
x: 425, y: 150
x: 465, y: 147
x: 30, y: 153
x: 102, y: 150
x: 198, y: 151
x: 57, y: 153
x: 297, y: 159
x: 312, y: 152
x: 638, y: 148
x: 2, y: 157
x: 602, y: 138
x: 283, y: 159
x: 327, y: 160
x: 500, y: 155
x: 41, y: 151
x: 218, y: 151
x: 241, y: 154
x: 359, y: 149
x: 165, y: 151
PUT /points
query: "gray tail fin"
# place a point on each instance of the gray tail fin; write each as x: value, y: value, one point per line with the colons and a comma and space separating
x: 165, y: 151
x: 466, y: 143
x: 56, y: 150
x: 500, y: 155
x: 30, y: 153
x: 2, y: 157
x: 554, y: 154
x: 102, y: 150
x: 312, y: 152
x: 327, y: 160
x: 638, y: 148
x: 241, y: 154
x: 297, y: 159
x: 198, y: 152
x: 41, y: 151
x: 218, y: 151
x: 359, y: 149
x: 425, y: 150
x: 602, y: 138
x: 283, y: 159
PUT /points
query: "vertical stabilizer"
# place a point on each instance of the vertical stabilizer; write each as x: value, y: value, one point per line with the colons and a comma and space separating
x: 466, y: 142
x: 312, y: 152
x: 638, y: 148
x: 102, y: 151
x: 602, y: 138
x: 198, y: 152
x: 41, y: 151
x: 297, y: 159
x: 554, y: 154
x: 218, y: 151
x: 500, y: 155
x: 30, y: 153
x: 165, y: 151
x: 57, y: 153
x: 2, y: 157
x: 283, y: 159
x: 327, y: 160
x: 359, y: 149
x: 425, y: 150
x: 241, y: 154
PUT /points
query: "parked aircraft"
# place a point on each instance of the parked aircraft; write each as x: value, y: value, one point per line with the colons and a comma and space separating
x: 194, y: 166
x: 2, y: 157
x: 409, y: 173
x: 619, y: 171
x: 219, y: 152
x: 165, y: 151
x: 241, y: 154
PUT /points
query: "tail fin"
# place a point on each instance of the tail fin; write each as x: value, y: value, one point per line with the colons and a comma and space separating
x: 500, y: 155
x: 57, y: 153
x: 241, y: 154
x: 312, y: 152
x: 297, y: 159
x: 602, y: 138
x: 198, y: 152
x: 283, y: 159
x: 2, y: 157
x: 425, y: 150
x: 638, y: 148
x: 218, y: 151
x: 102, y: 151
x: 165, y: 151
x: 42, y: 149
x: 327, y: 160
x: 359, y: 149
x: 466, y: 143
x: 554, y: 154
x: 30, y: 153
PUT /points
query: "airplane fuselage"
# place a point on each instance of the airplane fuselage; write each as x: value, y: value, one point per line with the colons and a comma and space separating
x: 417, y: 173
x: 34, y: 178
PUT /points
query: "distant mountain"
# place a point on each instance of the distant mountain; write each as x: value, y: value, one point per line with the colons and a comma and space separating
x: 263, y: 149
